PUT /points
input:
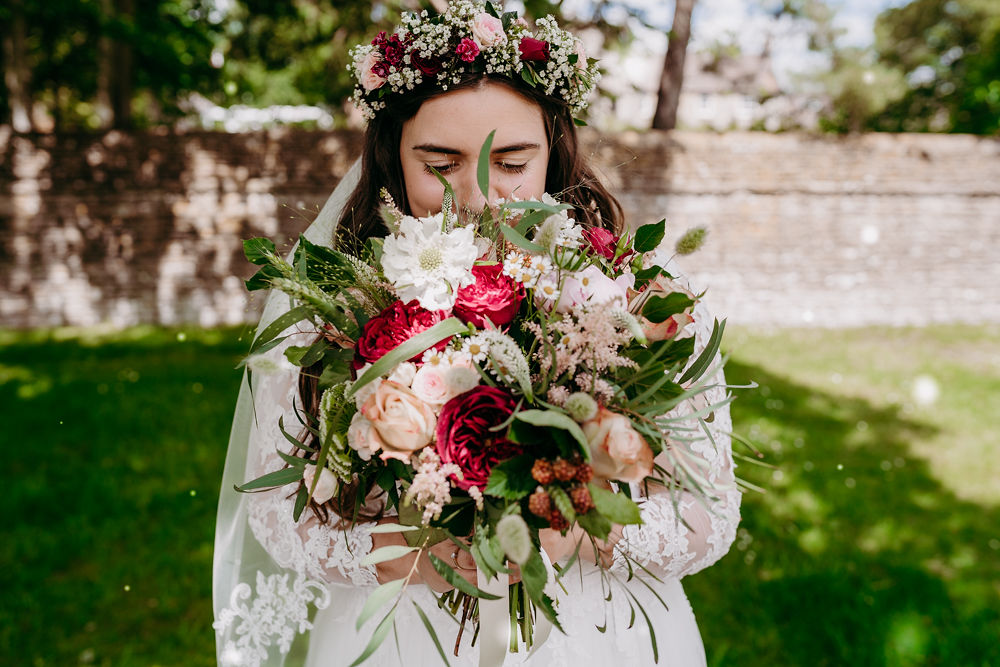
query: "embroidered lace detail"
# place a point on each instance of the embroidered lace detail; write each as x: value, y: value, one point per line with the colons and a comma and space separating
x: 321, y: 551
x: 681, y: 535
x: 278, y: 609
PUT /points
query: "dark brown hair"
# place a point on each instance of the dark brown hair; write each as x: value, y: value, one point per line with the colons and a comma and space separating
x: 568, y: 177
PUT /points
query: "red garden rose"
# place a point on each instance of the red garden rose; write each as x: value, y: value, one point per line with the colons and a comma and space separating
x: 604, y: 244
x: 533, y: 49
x: 467, y: 50
x: 392, y: 327
x: 428, y: 66
x: 493, y: 296
x: 464, y: 437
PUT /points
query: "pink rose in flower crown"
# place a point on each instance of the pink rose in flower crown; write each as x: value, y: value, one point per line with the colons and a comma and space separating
x: 464, y: 436
x: 673, y: 326
x: 401, y: 421
x: 617, y: 451
x: 592, y: 287
x: 493, y: 296
x: 488, y: 30
x: 533, y: 49
x: 392, y: 327
x: 370, y: 80
x: 467, y: 50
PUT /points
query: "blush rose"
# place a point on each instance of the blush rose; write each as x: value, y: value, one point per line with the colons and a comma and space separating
x: 488, y: 30
x: 402, y: 422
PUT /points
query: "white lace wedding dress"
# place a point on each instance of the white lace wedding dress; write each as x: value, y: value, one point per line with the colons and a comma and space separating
x: 321, y: 568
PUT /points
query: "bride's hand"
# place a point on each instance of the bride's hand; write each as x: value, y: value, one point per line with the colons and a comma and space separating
x: 459, y: 559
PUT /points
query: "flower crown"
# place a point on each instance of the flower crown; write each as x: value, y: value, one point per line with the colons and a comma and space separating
x: 471, y: 36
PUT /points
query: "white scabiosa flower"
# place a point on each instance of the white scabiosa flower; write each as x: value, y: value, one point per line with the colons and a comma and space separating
x: 427, y: 264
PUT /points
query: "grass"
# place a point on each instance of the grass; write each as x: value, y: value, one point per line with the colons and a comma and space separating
x: 877, y: 542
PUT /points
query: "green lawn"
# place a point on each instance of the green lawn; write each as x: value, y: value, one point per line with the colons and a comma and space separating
x: 877, y: 542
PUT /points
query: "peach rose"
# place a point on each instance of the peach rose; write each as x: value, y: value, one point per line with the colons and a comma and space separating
x: 362, y: 438
x: 437, y: 384
x: 366, y: 74
x: 617, y: 451
x: 591, y: 286
x: 326, y: 487
x: 488, y: 30
x: 402, y: 422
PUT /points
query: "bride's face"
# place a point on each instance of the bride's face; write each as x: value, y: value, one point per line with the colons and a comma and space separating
x: 447, y: 134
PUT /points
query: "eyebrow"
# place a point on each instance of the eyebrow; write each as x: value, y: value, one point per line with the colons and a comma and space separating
x: 512, y: 148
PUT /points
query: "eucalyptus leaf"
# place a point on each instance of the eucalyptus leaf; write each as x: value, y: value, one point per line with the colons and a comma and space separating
x: 483, y: 170
x: 379, y: 597
x: 272, y: 479
x: 383, y: 528
x: 390, y: 552
x: 520, y: 240
x: 433, y: 633
x: 453, y: 578
x: 595, y: 523
x: 659, y: 308
x: 377, y: 637
x: 707, y: 355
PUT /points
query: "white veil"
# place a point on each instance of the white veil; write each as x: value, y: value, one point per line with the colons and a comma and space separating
x: 240, y: 563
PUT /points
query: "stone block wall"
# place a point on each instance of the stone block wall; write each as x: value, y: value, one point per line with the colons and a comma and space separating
x: 147, y: 227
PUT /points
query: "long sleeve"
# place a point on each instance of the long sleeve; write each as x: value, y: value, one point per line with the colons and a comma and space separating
x: 663, y: 544
x: 308, y: 546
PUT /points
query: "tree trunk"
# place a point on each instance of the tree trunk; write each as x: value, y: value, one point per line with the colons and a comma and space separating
x: 672, y: 76
x: 121, y: 72
x: 105, y: 69
x: 16, y: 73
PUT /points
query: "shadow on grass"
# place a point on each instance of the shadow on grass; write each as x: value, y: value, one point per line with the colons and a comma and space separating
x: 856, y: 555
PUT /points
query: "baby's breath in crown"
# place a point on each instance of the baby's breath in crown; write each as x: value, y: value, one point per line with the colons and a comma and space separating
x: 471, y: 36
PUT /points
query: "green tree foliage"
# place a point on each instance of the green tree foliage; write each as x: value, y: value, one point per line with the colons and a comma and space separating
x: 77, y: 55
x: 949, y: 50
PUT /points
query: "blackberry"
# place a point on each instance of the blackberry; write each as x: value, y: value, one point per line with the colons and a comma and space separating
x: 584, y: 473
x: 582, y: 502
x: 563, y: 470
x: 540, y: 503
x: 542, y: 471
x: 557, y: 521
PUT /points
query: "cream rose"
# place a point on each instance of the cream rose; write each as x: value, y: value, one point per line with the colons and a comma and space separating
x: 488, y: 30
x: 402, y: 422
x: 437, y: 384
x: 369, y: 79
x: 617, y: 451
x: 326, y: 487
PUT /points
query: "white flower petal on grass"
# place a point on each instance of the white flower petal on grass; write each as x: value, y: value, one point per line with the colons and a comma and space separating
x: 427, y: 264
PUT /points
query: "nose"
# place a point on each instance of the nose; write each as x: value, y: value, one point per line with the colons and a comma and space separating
x: 468, y: 195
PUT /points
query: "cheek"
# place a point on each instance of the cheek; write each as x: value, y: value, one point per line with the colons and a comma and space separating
x: 423, y: 190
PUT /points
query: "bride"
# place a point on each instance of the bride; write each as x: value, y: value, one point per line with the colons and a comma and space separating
x: 289, y: 592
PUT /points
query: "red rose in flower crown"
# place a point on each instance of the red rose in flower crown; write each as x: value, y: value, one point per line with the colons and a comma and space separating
x: 493, y: 296
x: 464, y: 436
x: 392, y: 327
x: 533, y: 49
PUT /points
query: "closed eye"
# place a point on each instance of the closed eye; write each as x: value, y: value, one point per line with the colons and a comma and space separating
x: 512, y: 167
x: 440, y: 168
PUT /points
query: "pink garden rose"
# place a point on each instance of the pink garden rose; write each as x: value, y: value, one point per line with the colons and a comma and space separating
x: 617, y: 451
x: 392, y: 327
x: 436, y: 384
x: 402, y: 422
x: 369, y: 72
x: 467, y: 50
x: 533, y: 49
x: 464, y: 437
x: 494, y: 296
x: 488, y: 30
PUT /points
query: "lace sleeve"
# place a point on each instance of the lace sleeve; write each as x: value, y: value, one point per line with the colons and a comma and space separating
x: 321, y: 551
x: 678, y: 539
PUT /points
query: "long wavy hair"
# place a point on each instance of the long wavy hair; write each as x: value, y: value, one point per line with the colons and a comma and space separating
x: 568, y: 177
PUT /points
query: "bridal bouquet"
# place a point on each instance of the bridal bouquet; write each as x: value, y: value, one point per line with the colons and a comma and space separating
x: 495, y: 374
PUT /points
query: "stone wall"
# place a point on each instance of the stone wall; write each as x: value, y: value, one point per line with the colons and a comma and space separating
x: 147, y: 227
